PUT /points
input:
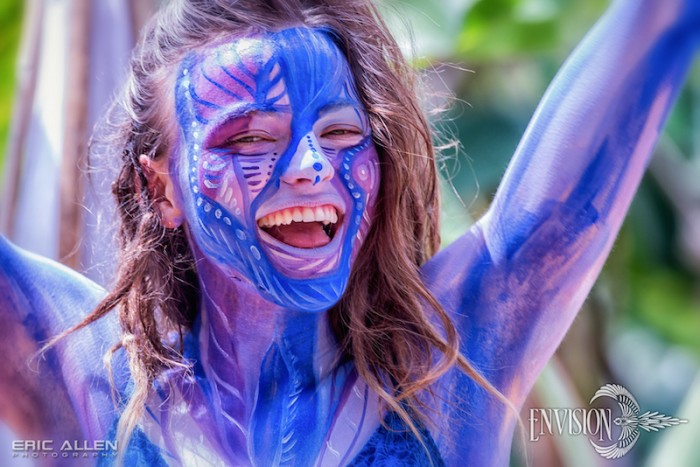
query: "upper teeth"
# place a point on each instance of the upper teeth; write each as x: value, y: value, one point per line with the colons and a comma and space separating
x: 326, y: 214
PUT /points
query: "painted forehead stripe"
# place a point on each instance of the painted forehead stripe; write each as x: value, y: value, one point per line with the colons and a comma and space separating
x: 255, y: 72
x: 227, y: 86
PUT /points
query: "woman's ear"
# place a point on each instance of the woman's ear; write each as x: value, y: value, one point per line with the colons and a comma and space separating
x: 160, y: 185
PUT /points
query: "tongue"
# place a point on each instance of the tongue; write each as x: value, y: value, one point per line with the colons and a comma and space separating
x: 301, y: 234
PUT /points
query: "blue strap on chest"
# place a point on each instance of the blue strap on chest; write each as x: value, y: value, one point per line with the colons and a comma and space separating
x: 394, y: 445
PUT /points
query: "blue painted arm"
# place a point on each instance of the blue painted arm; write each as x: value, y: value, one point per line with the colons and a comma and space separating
x: 65, y: 393
x: 516, y: 281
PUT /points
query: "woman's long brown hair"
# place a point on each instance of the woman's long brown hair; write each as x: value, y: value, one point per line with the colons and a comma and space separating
x: 386, y: 320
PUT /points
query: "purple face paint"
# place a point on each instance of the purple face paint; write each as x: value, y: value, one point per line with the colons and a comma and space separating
x: 278, y: 168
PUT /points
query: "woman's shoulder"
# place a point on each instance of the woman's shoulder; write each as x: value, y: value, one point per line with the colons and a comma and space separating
x: 45, y: 298
x: 28, y: 273
x: 40, y: 299
x: 45, y: 294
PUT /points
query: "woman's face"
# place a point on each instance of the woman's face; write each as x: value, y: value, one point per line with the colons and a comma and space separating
x: 276, y: 163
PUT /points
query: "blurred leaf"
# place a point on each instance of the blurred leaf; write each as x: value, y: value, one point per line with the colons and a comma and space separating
x: 429, y: 26
x: 664, y: 299
x: 502, y: 29
x: 10, y: 32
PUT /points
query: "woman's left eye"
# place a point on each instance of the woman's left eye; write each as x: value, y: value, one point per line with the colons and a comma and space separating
x: 340, y: 132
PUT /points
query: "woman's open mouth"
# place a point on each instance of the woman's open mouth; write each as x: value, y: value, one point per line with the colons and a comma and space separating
x: 303, y: 227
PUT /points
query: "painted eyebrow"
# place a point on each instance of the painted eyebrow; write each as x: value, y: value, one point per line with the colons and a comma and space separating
x: 341, y: 104
x: 247, y: 109
x: 347, y: 104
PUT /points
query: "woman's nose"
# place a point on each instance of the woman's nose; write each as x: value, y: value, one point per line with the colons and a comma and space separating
x: 308, y: 164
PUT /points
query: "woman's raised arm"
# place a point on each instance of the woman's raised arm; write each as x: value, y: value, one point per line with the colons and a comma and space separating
x: 518, y: 278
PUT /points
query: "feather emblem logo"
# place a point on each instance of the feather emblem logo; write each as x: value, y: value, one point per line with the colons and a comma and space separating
x: 630, y: 421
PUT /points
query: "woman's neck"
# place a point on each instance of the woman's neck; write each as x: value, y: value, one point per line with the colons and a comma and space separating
x: 274, y: 374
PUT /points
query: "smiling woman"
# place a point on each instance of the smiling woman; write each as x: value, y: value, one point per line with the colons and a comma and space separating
x: 276, y: 299
x: 249, y: 145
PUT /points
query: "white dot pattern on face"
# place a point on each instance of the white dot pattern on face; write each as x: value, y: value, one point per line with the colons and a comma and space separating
x: 363, y: 173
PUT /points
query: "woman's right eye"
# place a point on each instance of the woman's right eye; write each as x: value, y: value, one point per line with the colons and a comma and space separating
x: 249, y: 139
x: 246, y: 143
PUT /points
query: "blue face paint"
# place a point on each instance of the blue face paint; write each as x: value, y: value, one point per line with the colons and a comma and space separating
x: 277, y: 164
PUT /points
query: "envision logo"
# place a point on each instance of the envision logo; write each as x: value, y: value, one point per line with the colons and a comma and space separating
x: 597, y: 423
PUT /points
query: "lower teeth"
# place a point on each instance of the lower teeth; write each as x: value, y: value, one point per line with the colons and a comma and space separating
x: 327, y: 229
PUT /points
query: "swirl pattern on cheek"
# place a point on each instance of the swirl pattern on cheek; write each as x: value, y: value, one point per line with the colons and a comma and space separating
x: 361, y: 173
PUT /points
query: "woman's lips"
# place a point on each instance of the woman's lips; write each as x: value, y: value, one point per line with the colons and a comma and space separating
x: 302, y: 227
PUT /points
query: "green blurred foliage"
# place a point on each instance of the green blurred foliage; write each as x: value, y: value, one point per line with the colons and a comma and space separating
x: 683, y: 123
x: 503, y: 29
x: 10, y: 32
x: 492, y: 30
